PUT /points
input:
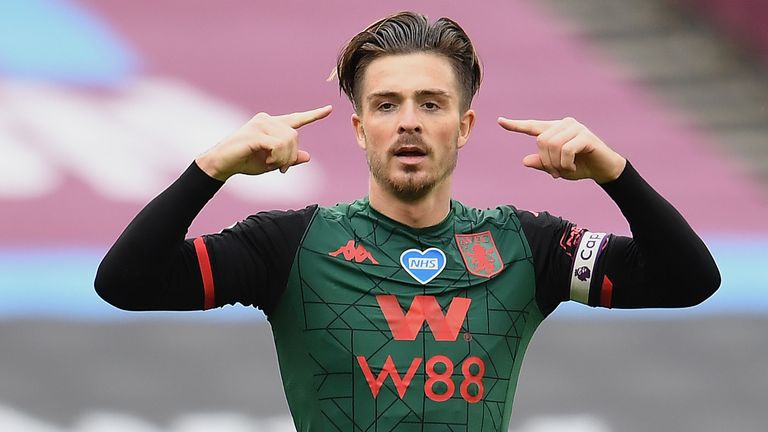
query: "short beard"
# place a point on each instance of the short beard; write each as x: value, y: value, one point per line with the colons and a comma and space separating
x: 410, y: 190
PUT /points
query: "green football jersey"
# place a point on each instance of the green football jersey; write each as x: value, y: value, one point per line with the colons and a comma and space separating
x: 385, y: 327
x: 379, y: 326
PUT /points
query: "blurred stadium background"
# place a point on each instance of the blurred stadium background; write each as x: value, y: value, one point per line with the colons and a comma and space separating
x: 104, y: 103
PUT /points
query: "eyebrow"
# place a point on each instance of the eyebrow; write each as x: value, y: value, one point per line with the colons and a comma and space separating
x: 419, y: 93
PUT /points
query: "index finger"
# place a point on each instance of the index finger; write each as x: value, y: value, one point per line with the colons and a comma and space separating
x: 528, y: 127
x: 299, y: 119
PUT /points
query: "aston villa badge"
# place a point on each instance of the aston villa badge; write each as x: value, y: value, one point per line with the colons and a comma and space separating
x: 480, y: 254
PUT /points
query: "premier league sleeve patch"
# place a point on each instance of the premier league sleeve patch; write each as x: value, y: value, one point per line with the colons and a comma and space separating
x: 480, y: 254
x: 423, y: 266
x: 584, y: 265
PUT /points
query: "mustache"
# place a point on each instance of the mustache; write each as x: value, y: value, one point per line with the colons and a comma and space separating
x: 409, y: 139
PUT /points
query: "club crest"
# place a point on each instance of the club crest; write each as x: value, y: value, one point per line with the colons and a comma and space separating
x: 480, y: 254
x: 423, y: 266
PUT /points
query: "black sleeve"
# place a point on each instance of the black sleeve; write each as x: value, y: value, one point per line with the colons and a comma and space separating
x: 552, y: 246
x: 152, y: 267
x: 665, y: 264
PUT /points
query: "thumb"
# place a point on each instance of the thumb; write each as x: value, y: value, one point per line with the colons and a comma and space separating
x: 301, y: 157
x: 533, y: 161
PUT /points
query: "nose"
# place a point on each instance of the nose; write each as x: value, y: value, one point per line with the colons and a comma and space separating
x: 409, y: 120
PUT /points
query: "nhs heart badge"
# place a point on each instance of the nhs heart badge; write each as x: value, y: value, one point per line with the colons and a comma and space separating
x: 423, y: 266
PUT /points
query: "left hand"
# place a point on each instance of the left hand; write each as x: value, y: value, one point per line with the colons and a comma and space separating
x: 568, y: 149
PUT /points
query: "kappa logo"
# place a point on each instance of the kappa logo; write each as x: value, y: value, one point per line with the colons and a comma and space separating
x: 423, y: 266
x: 354, y: 253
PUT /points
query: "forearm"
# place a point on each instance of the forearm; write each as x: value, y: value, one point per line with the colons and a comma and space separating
x: 665, y: 264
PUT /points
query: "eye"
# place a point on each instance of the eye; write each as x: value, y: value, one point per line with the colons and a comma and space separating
x: 385, y: 106
x: 431, y: 106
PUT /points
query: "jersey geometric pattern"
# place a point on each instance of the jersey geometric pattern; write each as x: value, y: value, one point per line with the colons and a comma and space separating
x: 363, y: 346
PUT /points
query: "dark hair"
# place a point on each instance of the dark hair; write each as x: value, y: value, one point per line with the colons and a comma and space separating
x: 406, y: 33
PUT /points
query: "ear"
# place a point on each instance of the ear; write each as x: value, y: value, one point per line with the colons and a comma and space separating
x: 357, y: 124
x: 466, y: 123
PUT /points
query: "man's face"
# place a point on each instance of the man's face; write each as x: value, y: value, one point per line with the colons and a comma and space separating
x: 410, y: 122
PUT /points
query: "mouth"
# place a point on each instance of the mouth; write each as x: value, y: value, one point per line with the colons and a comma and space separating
x: 410, y: 154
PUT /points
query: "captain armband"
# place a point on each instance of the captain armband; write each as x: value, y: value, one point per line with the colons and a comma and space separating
x: 584, y: 263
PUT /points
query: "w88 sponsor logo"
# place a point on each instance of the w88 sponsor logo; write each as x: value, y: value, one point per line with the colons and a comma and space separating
x: 472, y: 377
x: 406, y: 326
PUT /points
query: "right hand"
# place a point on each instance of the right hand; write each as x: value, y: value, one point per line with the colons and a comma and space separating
x: 567, y: 149
x: 263, y: 144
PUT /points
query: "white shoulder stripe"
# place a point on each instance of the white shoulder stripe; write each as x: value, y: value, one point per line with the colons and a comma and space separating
x: 584, y: 265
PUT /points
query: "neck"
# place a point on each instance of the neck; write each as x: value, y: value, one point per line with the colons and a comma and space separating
x: 423, y: 212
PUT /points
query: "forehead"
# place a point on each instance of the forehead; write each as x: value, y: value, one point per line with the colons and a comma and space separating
x: 408, y: 73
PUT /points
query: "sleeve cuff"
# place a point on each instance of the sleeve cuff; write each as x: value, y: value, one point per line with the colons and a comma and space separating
x: 201, y: 181
x: 629, y: 179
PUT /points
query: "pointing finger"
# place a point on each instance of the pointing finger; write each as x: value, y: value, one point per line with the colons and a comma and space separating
x: 299, y: 119
x: 528, y: 127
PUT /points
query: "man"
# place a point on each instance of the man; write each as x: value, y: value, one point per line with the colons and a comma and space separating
x: 348, y: 289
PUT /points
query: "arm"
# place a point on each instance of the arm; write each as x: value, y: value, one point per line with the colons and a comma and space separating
x: 152, y: 266
x: 672, y: 264
x: 665, y: 264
